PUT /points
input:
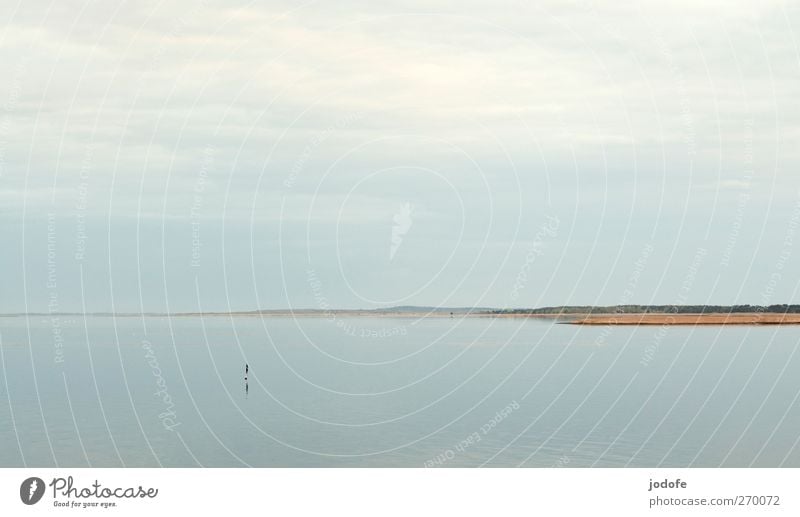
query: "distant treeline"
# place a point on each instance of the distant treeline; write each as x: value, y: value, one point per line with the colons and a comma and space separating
x: 659, y: 309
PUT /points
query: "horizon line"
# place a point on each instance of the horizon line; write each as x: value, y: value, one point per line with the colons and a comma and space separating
x: 398, y: 309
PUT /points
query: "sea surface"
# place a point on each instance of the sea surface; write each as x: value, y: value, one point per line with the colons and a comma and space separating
x: 394, y: 392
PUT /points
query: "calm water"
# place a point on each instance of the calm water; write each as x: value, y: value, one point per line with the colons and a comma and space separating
x: 395, y: 392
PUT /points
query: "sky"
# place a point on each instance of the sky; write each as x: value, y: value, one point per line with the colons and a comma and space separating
x: 183, y: 156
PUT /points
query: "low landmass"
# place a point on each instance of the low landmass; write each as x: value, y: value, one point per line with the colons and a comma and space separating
x: 656, y: 309
x: 756, y: 318
x: 780, y: 314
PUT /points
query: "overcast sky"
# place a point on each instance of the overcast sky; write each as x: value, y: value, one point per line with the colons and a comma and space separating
x: 232, y: 155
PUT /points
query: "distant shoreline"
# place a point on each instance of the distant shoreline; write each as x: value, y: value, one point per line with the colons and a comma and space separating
x: 759, y: 318
x: 574, y: 315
